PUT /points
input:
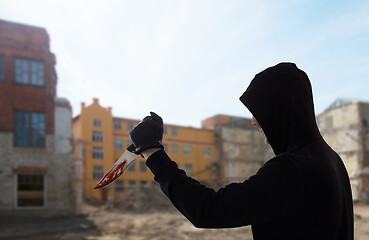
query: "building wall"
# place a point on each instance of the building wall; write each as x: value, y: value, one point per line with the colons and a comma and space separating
x: 22, y: 41
x: 364, y: 107
x: 87, y: 117
x: 244, y: 152
x: 55, y: 167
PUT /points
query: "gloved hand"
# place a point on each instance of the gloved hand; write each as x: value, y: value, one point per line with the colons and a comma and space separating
x: 148, y: 133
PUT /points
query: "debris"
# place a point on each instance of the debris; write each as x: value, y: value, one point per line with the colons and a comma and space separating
x: 141, y: 199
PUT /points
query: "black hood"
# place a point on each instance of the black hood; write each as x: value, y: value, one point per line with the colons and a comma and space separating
x: 281, y: 100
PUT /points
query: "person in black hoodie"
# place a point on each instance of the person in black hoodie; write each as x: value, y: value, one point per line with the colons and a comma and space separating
x: 302, y: 193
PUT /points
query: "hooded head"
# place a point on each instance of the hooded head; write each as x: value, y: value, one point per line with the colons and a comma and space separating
x: 281, y: 100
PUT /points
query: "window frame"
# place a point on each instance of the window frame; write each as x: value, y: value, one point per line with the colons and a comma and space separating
x: 131, y: 184
x: 97, y: 153
x: 97, y: 123
x: 143, y: 167
x: 117, y: 125
x: 174, y: 131
x: 27, y: 128
x: 130, y: 126
x: 97, y: 174
x: 120, y: 144
x: 25, y: 72
x: 16, y: 189
x: 119, y: 187
x: 207, y: 152
x: 175, y: 146
x: 188, y: 168
x: 97, y: 136
x: 187, y: 150
x: 132, y: 168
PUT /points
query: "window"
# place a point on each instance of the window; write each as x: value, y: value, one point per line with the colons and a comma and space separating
x: 132, y: 168
x: 117, y: 125
x: 98, y: 172
x: 29, y: 129
x: 143, y: 166
x: 30, y: 191
x: 143, y: 182
x: 29, y: 71
x: 1, y: 68
x: 97, y: 152
x: 188, y: 168
x: 129, y: 126
x: 119, y: 185
x: 97, y: 123
x: 174, y: 132
x: 187, y: 150
x: 118, y: 144
x: 207, y: 152
x: 131, y: 183
x: 165, y: 131
x: 97, y: 136
x: 175, y: 150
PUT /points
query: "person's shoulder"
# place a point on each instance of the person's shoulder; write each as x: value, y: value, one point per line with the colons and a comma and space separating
x: 287, y: 163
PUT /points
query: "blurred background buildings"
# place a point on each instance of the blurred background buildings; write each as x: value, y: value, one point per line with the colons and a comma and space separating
x: 36, y: 172
x: 51, y: 162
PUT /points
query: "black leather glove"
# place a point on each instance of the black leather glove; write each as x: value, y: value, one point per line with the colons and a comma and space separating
x: 148, y: 133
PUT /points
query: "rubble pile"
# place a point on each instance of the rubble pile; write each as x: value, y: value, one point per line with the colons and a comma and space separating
x: 141, y: 199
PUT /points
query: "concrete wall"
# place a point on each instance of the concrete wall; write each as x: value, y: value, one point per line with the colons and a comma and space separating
x: 244, y: 151
x: 63, y: 126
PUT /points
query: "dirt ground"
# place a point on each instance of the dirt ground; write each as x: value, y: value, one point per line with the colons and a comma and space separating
x: 102, y: 223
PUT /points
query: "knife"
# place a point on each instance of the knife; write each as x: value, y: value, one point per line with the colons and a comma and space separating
x: 119, y: 167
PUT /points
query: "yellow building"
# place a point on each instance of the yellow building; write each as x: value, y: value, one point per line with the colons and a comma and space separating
x: 100, y: 139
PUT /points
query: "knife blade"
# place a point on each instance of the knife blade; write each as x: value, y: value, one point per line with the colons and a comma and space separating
x: 119, y: 167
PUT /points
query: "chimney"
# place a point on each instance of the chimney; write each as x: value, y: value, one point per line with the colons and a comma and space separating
x: 96, y: 100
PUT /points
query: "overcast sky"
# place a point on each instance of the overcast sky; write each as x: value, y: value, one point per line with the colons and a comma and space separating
x: 189, y: 60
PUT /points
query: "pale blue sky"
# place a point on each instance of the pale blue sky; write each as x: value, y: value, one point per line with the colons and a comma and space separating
x: 189, y: 60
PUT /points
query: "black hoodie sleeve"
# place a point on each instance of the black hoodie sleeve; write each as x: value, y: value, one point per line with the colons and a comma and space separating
x: 269, y: 194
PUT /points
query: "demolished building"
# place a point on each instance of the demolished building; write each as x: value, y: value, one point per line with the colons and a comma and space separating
x: 241, y: 148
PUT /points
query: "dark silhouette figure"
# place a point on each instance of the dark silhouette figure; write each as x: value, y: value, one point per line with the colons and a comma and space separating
x: 302, y: 193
